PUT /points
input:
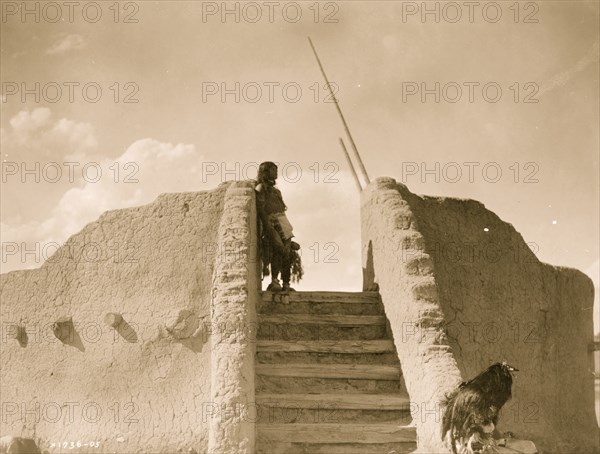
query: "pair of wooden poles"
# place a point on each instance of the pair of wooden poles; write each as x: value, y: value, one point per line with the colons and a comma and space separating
x: 337, y: 106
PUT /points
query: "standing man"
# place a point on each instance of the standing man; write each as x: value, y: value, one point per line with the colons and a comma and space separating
x: 277, y: 248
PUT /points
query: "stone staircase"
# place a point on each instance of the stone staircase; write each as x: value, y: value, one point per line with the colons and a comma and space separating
x: 328, y: 379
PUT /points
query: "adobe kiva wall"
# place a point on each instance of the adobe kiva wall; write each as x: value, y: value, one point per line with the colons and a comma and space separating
x: 460, y: 298
x: 146, y: 385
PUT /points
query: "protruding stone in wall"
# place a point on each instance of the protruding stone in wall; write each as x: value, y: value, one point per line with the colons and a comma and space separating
x: 63, y: 328
x: 113, y: 319
x: 183, y: 325
x: 18, y: 445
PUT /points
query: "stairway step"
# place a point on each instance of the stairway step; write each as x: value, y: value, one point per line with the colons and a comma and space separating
x: 324, y: 297
x: 333, y: 408
x: 306, y: 307
x: 279, y: 447
x: 326, y: 358
x: 317, y: 332
x: 275, y: 384
x: 335, y: 352
x: 321, y: 303
x: 333, y: 320
x: 336, y: 401
x: 337, y: 433
x: 341, y: 371
x: 327, y: 414
x: 325, y: 346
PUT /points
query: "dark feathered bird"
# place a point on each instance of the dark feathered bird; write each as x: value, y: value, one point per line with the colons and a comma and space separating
x: 471, y: 411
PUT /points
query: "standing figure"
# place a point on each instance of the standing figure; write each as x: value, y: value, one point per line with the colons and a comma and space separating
x: 277, y: 248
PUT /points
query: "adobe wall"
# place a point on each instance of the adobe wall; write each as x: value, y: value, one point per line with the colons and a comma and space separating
x: 144, y: 386
x: 460, y: 298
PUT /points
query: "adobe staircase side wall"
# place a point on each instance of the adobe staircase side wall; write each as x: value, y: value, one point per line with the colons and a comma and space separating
x: 409, y: 295
x: 460, y: 298
x: 236, y: 286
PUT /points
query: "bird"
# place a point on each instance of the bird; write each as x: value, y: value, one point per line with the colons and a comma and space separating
x: 471, y: 411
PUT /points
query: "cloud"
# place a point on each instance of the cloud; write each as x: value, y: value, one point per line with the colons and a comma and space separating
x: 34, y: 144
x: 36, y: 134
x: 67, y: 43
x: 561, y: 79
x: 25, y: 122
x: 18, y: 54
x: 146, y: 169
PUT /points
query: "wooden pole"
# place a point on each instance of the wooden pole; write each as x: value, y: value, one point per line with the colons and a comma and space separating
x: 351, y: 165
x: 360, y: 162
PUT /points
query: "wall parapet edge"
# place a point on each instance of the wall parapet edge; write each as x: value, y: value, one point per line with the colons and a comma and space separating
x: 233, y: 315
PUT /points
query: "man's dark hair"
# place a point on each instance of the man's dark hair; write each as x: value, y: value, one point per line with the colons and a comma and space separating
x: 263, y: 170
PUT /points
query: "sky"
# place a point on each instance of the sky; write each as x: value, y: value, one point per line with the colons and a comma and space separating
x: 496, y: 102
